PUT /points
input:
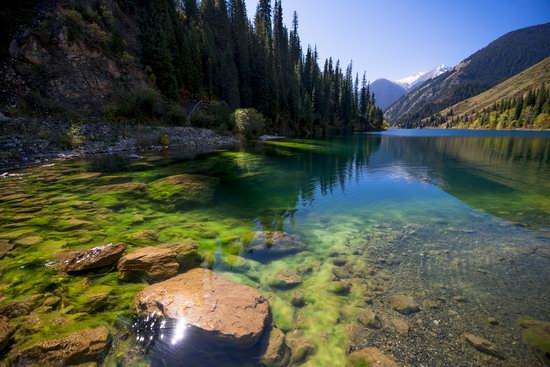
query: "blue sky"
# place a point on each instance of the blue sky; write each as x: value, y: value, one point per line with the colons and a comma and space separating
x: 396, y: 38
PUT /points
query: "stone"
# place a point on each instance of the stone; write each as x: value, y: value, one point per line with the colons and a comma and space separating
x: 226, y: 312
x: 6, y: 332
x: 301, y: 348
x: 483, y: 345
x: 339, y: 273
x: 121, y: 188
x: 370, y: 357
x: 266, y: 245
x: 144, y: 236
x: 5, y: 247
x: 370, y: 320
x: 404, y: 304
x: 73, y: 223
x: 186, y: 189
x: 84, y: 346
x: 536, y: 334
x: 274, y: 351
x: 285, y: 279
x: 400, y: 326
x: 492, y: 321
x: 21, y: 307
x: 339, y: 261
x: 340, y: 288
x: 4, y: 118
x: 460, y: 299
x: 298, y: 299
x: 97, y: 301
x: 159, y: 263
x: 29, y: 241
x: 74, y: 261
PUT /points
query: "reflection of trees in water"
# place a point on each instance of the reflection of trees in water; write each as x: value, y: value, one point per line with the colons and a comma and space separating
x: 289, y: 175
x: 506, y: 176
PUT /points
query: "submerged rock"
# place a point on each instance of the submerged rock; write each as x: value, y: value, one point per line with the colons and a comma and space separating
x: 5, y: 247
x: 370, y: 320
x: 21, y: 307
x: 275, y: 352
x: 83, y: 346
x: 370, y: 357
x: 537, y: 336
x: 403, y: 304
x: 144, y: 236
x: 73, y: 223
x: 159, y: 263
x: 301, y: 348
x: 120, y: 188
x: 339, y: 287
x: 483, y: 345
x: 266, y: 245
x: 400, y: 326
x: 225, y: 311
x: 189, y: 189
x: 298, y: 299
x: 74, y: 261
x: 285, y: 279
x: 6, y: 332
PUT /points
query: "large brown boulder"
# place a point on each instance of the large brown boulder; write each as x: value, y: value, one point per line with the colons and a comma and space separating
x: 226, y: 312
x: 83, y: 346
x: 268, y: 245
x: 159, y: 263
x: 74, y: 261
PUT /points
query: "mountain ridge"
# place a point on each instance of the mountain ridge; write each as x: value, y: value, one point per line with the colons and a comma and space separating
x: 508, y: 55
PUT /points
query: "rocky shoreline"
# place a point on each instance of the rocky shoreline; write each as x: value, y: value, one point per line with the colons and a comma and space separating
x: 25, y: 142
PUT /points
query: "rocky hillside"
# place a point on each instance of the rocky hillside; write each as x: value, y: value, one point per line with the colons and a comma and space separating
x: 500, y: 60
x: 466, y: 113
x: 64, y: 57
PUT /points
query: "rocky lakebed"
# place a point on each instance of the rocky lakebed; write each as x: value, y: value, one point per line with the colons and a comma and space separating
x: 163, y: 261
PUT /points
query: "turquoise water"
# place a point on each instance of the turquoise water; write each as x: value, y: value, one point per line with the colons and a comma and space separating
x: 435, y: 214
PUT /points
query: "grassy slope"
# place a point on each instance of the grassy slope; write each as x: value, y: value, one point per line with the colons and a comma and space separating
x: 517, y: 85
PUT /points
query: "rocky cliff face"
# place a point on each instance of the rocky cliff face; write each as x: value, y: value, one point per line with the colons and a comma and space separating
x: 73, y: 56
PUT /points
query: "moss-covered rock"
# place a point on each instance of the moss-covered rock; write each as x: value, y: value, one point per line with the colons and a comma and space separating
x: 83, y: 346
x: 185, y: 189
x: 537, y: 336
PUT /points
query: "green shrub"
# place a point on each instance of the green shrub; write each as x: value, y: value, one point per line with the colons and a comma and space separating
x: 217, y: 117
x: 73, y: 137
x: 249, y: 123
x: 164, y: 140
x: 96, y: 36
x: 75, y: 24
x: 176, y: 115
x: 140, y: 106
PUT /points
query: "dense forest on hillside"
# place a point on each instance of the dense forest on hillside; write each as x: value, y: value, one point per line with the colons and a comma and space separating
x: 529, y: 111
x: 190, y: 51
x: 212, y: 51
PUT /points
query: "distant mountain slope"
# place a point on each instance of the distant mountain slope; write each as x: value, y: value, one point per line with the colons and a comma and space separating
x: 414, y: 81
x: 386, y: 92
x: 501, y: 59
x: 518, y: 102
x: 510, y: 89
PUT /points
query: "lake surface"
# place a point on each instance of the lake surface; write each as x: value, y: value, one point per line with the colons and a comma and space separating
x: 458, y: 220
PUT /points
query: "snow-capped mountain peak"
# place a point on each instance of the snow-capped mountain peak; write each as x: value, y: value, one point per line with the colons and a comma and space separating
x: 413, y: 81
